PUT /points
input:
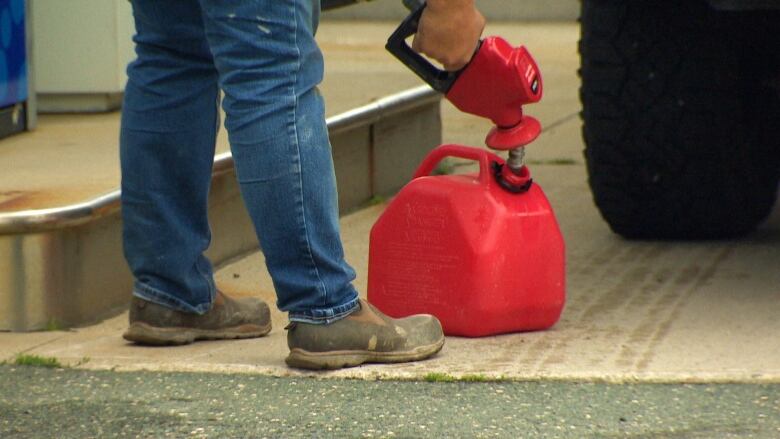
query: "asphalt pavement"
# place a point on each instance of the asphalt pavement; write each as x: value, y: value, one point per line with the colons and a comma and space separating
x: 48, y: 403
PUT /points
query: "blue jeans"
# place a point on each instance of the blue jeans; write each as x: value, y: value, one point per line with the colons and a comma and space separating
x: 262, y: 55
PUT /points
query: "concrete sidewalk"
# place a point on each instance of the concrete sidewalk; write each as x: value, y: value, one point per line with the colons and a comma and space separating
x: 677, y: 312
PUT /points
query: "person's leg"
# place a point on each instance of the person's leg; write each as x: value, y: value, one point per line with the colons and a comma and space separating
x: 269, y: 66
x: 167, y: 140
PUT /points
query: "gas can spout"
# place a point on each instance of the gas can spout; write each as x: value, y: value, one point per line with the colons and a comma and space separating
x: 513, y: 175
x: 516, y: 159
x: 520, y: 135
x: 496, y: 83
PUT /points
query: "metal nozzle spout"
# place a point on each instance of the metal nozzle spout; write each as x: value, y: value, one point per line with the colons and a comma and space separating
x: 516, y: 159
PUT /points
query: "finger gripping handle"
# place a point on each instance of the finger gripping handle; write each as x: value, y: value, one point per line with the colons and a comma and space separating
x: 440, y: 153
x: 439, y: 80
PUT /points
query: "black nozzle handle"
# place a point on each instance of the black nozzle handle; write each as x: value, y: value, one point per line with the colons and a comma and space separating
x: 440, y: 80
x: 413, y: 5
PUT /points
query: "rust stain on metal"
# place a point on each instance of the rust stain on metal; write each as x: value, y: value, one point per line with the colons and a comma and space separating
x: 15, y: 200
x: 105, y: 210
x: 48, y: 198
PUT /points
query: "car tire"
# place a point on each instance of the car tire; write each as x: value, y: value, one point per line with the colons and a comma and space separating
x: 681, y: 117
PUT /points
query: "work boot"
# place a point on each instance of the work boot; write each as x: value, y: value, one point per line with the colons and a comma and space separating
x: 154, y: 324
x: 365, y: 336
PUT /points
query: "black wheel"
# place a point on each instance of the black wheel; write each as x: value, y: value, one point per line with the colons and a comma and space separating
x: 681, y: 116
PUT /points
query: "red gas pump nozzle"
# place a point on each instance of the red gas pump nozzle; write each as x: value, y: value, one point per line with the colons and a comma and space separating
x: 496, y: 83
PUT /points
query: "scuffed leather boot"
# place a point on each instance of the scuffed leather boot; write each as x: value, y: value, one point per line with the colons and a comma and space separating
x: 154, y: 324
x: 365, y: 336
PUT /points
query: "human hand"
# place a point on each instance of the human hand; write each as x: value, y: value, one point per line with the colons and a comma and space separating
x: 449, y: 32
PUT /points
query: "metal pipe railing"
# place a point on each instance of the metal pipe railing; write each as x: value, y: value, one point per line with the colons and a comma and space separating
x: 39, y: 220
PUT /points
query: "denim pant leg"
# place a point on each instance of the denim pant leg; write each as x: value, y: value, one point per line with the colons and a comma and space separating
x: 167, y: 140
x: 269, y: 66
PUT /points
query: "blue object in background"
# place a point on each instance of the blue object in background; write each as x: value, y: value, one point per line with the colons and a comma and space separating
x: 13, y: 54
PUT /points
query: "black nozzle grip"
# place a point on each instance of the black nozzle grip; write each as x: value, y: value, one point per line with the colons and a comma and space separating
x: 440, y: 80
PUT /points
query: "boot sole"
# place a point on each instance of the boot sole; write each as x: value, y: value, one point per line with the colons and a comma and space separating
x: 142, y: 333
x: 303, y: 359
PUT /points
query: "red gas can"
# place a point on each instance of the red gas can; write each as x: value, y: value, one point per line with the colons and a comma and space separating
x: 461, y: 247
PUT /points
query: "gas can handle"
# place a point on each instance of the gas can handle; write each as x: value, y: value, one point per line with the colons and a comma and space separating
x: 440, y: 153
x: 439, y: 80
